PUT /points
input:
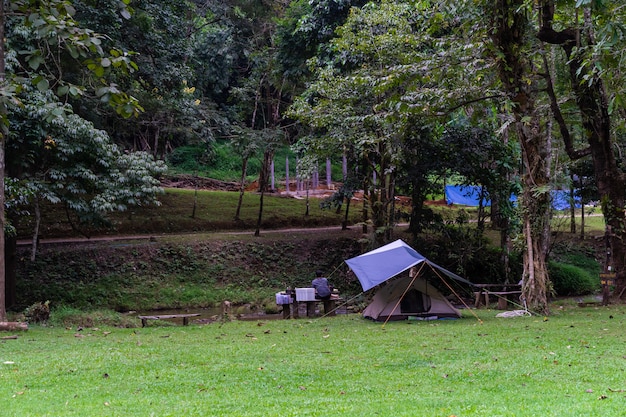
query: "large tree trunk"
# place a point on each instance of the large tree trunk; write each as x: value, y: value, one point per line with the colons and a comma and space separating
x: 10, y: 253
x: 516, y: 74
x: 536, y: 216
x: 3, y: 305
x: 3, y: 308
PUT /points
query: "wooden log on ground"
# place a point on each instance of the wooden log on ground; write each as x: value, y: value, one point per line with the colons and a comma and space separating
x: 11, y: 326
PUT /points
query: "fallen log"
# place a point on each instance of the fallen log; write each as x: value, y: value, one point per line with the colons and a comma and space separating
x: 9, y: 326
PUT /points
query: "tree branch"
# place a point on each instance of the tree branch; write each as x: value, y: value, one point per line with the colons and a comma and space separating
x: 558, y: 116
x: 567, y: 37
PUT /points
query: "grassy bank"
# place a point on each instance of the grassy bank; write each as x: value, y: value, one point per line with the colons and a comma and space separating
x: 187, y: 211
x: 569, y: 365
x: 199, y: 270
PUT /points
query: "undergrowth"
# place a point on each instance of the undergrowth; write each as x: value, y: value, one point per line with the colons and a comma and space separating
x: 146, y: 276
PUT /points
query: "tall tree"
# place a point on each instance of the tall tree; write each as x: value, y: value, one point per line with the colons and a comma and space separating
x: 62, y: 159
x: 352, y: 103
x: 517, y: 70
x: 6, y: 90
x: 589, y: 36
x: 54, y: 35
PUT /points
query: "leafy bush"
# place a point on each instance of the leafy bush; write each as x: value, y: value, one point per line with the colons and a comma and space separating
x: 570, y: 279
x: 38, y: 312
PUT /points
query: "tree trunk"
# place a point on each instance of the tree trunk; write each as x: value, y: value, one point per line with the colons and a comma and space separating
x: 516, y: 74
x: 10, y: 282
x: 418, y: 212
x: 3, y: 304
x: 572, y: 208
x: 268, y: 156
x: 3, y: 308
x: 344, y: 223
x: 195, y: 199
x: 257, y: 231
x: 366, y: 202
x: 242, y: 186
x: 33, y: 251
x: 536, y: 220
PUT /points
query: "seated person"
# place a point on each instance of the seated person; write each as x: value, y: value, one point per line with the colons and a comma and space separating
x: 322, y: 289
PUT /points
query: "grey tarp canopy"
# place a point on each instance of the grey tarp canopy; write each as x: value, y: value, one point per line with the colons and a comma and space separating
x: 407, y: 295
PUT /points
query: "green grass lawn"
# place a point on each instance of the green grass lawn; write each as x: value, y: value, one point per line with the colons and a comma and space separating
x: 569, y: 365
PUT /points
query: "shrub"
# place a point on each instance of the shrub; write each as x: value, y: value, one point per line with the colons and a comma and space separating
x: 38, y: 312
x: 571, y: 280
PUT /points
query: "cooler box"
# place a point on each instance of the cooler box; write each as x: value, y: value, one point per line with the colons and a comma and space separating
x: 282, y: 299
x: 305, y: 294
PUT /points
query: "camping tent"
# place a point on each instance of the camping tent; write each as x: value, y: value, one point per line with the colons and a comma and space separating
x: 406, y: 296
x: 416, y: 295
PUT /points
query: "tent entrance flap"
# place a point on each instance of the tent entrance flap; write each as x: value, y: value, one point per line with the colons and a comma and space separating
x: 415, y: 302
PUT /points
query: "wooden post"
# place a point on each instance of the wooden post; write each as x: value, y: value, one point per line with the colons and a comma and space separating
x: 310, y: 308
x: 286, y: 311
x: 328, y: 174
x: 287, y: 174
x: 329, y: 308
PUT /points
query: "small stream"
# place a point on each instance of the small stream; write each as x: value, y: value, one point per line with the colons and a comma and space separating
x: 213, y: 314
x: 209, y: 315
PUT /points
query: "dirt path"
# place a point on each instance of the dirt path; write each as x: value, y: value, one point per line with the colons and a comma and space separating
x: 354, y: 230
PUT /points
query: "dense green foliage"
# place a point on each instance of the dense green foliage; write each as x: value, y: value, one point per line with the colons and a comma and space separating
x: 407, y: 91
x: 567, y: 280
x: 574, y: 270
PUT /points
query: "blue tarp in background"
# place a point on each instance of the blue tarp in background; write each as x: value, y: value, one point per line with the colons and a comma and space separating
x: 561, y: 200
x: 465, y: 195
x: 468, y: 195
